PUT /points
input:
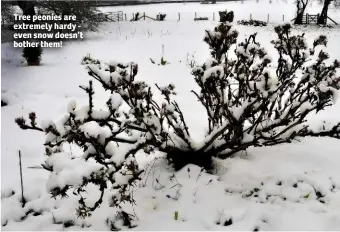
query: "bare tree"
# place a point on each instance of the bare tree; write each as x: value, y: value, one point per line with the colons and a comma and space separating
x: 323, y: 16
x: 300, y: 10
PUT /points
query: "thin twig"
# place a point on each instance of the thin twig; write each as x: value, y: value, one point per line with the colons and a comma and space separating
x: 23, y: 201
x: 35, y: 167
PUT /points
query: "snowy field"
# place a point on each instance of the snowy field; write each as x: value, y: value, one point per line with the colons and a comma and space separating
x: 287, y: 187
x: 279, y: 10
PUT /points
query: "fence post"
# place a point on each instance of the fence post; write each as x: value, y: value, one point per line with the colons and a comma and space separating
x: 250, y: 17
x: 144, y: 15
x: 195, y: 14
x: 179, y: 16
x: 268, y: 18
x: 283, y: 18
x: 133, y: 15
x: 213, y: 16
x: 125, y: 18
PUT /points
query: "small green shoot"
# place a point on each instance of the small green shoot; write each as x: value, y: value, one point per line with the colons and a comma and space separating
x: 307, y: 196
x: 164, y: 62
x: 176, y: 215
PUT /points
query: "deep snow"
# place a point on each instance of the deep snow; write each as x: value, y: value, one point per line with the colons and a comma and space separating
x: 272, y: 188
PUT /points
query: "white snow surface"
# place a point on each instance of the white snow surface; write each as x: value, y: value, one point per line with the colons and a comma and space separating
x: 286, y: 187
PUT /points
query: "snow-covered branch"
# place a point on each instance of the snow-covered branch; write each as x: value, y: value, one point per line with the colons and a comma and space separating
x: 249, y: 103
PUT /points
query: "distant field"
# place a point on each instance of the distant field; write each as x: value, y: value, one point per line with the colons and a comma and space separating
x: 279, y: 11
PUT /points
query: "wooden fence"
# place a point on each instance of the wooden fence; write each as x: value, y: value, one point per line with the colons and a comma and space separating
x: 115, y: 16
x: 210, y: 16
x: 314, y: 19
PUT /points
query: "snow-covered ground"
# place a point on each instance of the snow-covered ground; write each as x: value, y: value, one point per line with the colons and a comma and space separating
x: 287, y: 187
